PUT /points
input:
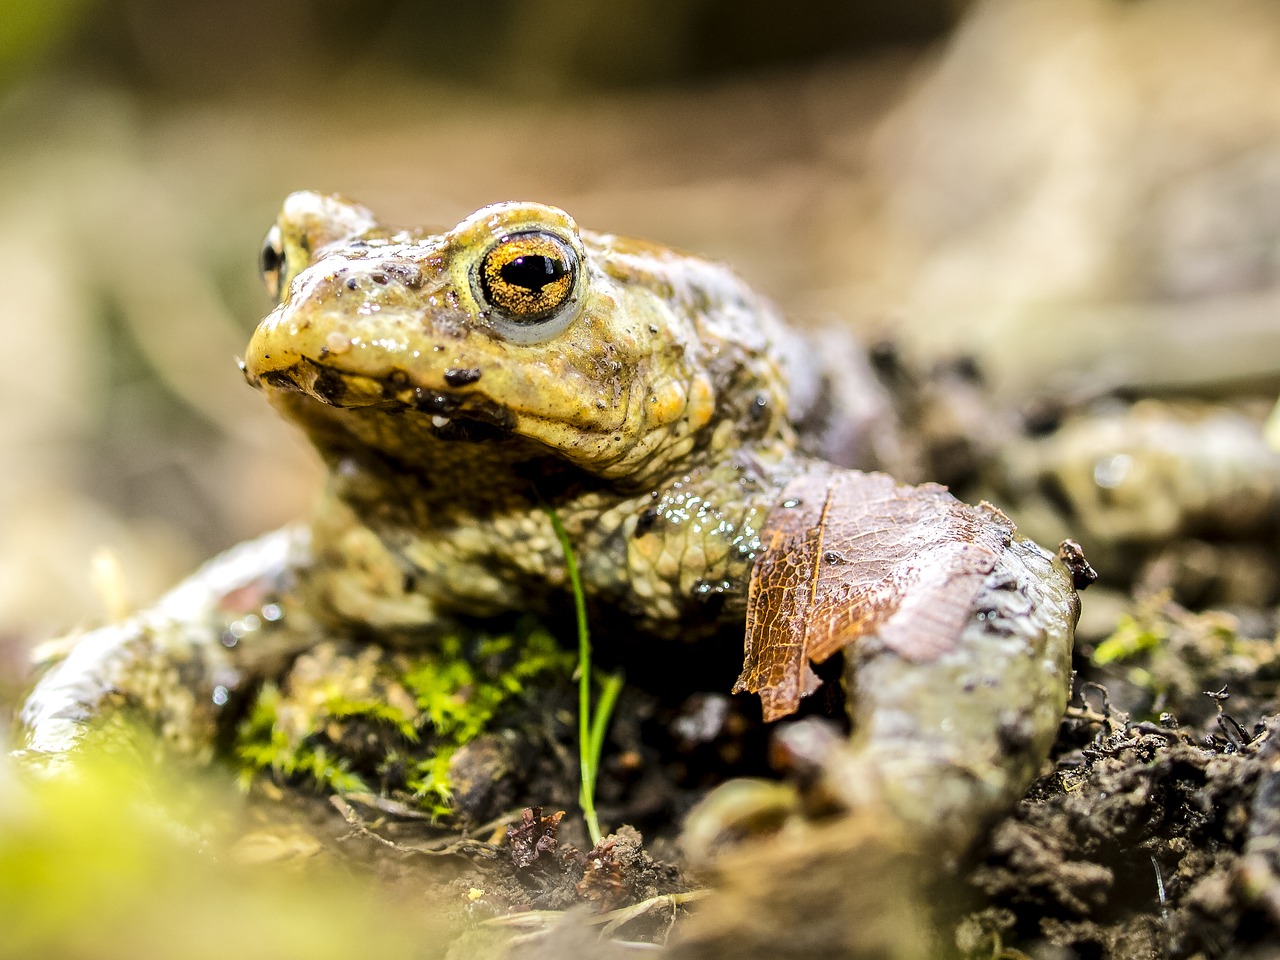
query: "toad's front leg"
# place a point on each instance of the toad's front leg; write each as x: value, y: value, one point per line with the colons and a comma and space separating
x: 945, y: 746
x: 957, y: 640
x: 178, y: 663
x: 957, y: 637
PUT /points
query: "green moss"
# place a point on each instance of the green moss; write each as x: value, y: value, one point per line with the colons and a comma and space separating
x: 1133, y: 636
x: 429, y: 781
x: 343, y: 708
x: 347, y: 720
x: 460, y: 693
x: 1170, y: 656
x: 264, y: 744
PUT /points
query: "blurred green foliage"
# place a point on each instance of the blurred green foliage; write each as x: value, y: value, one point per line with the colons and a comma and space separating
x: 532, y: 48
x: 116, y: 865
x: 29, y: 29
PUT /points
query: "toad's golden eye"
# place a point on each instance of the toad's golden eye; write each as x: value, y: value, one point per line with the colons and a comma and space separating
x: 271, y: 262
x: 528, y: 277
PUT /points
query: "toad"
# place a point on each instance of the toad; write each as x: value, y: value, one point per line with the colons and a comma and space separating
x: 462, y: 386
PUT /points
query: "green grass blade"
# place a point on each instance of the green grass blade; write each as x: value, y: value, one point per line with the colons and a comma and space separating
x: 590, y: 733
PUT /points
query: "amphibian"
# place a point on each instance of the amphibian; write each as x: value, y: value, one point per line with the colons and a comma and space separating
x: 459, y: 384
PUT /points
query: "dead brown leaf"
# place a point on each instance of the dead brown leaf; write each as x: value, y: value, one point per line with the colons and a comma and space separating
x: 533, y: 836
x: 848, y: 555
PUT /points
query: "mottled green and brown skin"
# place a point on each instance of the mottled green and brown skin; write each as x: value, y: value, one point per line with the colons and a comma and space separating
x: 458, y: 384
x: 653, y: 419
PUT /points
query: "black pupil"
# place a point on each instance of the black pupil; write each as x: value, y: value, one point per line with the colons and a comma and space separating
x: 271, y: 259
x: 533, y: 272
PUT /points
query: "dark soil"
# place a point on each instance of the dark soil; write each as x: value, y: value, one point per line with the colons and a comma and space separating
x: 1148, y: 838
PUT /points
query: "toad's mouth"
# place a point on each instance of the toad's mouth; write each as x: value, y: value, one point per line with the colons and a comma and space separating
x: 396, y: 410
x: 452, y: 416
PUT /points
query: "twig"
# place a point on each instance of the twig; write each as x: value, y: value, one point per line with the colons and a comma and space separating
x: 540, y: 920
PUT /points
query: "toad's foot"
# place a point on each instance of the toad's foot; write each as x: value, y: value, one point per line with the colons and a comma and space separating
x: 177, y: 664
x: 939, y: 749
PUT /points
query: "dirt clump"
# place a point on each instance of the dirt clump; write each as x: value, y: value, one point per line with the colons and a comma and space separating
x: 1147, y: 839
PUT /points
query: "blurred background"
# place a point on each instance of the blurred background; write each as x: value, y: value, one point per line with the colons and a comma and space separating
x: 1078, y: 194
